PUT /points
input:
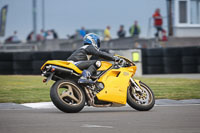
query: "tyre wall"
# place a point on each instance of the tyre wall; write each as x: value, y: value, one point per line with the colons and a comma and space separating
x: 28, y: 62
x: 6, y: 63
x: 154, y: 61
x: 171, y: 60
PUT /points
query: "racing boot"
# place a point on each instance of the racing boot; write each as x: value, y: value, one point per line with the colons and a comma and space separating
x: 85, y: 78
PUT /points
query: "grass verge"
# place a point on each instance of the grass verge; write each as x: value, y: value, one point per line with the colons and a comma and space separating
x: 24, y: 89
x: 174, y: 88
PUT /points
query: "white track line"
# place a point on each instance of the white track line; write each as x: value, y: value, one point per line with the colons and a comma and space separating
x: 49, y: 105
x: 95, y: 126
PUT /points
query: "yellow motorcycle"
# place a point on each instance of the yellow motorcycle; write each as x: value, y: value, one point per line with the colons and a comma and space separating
x: 113, y: 86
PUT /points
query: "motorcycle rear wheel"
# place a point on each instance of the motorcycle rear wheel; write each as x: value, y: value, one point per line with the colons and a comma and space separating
x: 67, y: 96
x: 141, y: 102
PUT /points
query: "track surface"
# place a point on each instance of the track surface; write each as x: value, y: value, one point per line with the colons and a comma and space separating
x: 161, y: 119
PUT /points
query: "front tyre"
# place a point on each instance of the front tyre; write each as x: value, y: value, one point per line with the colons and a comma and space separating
x: 141, y: 101
x: 67, y: 96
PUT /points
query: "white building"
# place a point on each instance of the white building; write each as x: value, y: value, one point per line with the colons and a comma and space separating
x: 186, y: 18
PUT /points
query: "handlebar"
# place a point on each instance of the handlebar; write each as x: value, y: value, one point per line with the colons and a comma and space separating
x: 120, y: 63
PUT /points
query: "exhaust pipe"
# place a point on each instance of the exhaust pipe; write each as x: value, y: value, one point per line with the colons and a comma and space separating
x: 63, y: 70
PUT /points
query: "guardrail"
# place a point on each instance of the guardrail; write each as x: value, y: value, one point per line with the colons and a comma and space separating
x: 18, y: 47
x: 117, y: 44
x: 70, y: 45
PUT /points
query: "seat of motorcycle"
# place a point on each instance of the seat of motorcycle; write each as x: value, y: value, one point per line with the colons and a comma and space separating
x: 74, y: 67
x: 65, y: 64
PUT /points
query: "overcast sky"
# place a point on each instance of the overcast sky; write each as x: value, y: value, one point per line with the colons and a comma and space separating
x: 65, y: 16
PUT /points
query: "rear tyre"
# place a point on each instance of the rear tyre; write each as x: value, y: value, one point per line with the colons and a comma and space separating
x: 140, y: 102
x: 67, y: 96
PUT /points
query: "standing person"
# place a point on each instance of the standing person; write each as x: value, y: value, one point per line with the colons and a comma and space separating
x: 55, y: 35
x: 135, y: 29
x: 15, y: 38
x: 49, y: 35
x: 107, y: 35
x: 121, y: 33
x: 29, y: 38
x: 158, y: 21
x: 40, y: 37
x: 82, y: 32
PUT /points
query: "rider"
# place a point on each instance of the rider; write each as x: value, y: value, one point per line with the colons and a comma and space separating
x: 81, y: 57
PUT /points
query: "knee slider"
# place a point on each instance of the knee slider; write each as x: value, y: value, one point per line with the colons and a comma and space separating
x: 98, y: 64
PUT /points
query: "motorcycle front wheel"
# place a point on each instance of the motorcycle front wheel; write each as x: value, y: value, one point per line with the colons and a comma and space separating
x: 67, y: 96
x: 141, y: 101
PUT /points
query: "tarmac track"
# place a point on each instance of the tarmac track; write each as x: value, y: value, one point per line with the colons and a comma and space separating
x: 180, y: 118
x: 168, y: 116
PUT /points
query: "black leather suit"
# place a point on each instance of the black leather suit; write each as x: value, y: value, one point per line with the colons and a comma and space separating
x: 81, y: 58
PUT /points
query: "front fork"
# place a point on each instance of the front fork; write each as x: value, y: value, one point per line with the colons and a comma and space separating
x: 136, y: 83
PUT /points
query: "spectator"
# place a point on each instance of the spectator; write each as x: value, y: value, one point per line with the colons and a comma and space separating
x: 107, y: 35
x: 41, y: 36
x: 138, y: 45
x: 121, y: 33
x: 8, y: 40
x: 15, y: 38
x: 49, y: 35
x: 82, y: 32
x: 30, y: 37
x: 75, y: 36
x: 158, y: 22
x: 135, y: 30
x: 55, y: 35
x: 12, y: 39
x: 45, y: 34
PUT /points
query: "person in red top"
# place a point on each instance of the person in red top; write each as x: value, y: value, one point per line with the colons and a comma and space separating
x: 158, y: 21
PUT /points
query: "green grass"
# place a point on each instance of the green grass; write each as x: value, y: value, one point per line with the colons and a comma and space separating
x: 173, y: 88
x: 24, y: 89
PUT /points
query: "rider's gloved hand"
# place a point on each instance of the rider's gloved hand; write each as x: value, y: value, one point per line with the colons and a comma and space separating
x: 119, y: 60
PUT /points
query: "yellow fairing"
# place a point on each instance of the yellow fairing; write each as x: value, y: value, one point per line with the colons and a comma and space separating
x: 63, y: 64
x: 116, y: 82
x: 104, y: 66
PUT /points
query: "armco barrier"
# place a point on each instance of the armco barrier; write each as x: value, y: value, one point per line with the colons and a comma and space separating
x: 154, y: 61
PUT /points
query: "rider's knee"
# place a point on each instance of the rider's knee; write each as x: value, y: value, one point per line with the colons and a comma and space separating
x: 98, y: 64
